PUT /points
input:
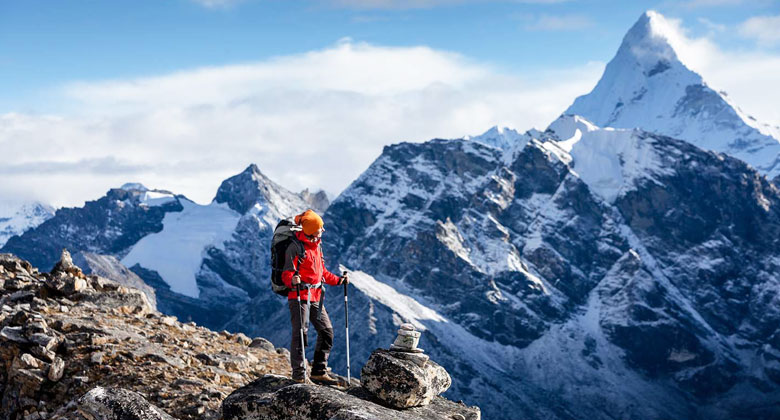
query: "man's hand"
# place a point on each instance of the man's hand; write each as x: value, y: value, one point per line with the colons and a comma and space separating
x: 296, y: 280
x: 345, y: 278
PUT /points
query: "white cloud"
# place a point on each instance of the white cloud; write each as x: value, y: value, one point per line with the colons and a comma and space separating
x: 744, y: 74
x: 310, y: 120
x: 713, y: 27
x: 559, y: 23
x: 764, y: 29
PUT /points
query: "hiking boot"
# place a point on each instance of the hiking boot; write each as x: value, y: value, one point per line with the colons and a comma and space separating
x: 303, y: 381
x: 324, y: 379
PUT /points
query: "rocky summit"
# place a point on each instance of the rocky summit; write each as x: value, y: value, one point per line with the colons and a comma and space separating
x: 77, y: 346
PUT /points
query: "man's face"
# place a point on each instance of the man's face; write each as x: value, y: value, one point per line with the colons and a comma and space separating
x: 317, y: 235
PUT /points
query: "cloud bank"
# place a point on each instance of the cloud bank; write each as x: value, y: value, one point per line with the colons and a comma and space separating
x: 764, y: 29
x: 313, y: 120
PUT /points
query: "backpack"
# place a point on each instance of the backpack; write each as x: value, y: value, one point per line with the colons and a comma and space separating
x: 284, y: 235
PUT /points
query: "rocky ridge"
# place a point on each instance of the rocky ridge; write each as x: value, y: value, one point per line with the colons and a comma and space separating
x: 64, y: 333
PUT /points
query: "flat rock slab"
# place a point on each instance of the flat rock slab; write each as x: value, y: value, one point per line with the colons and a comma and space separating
x: 276, y: 397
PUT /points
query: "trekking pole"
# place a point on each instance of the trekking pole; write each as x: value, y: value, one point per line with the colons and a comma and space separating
x: 303, y: 348
x: 346, y: 323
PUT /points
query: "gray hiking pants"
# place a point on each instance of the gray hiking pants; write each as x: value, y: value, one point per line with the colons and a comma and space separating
x: 324, y: 337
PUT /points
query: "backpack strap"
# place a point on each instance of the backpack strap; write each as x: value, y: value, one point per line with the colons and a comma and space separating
x: 300, y: 255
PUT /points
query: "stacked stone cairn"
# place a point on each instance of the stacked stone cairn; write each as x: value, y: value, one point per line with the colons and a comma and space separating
x: 403, y: 376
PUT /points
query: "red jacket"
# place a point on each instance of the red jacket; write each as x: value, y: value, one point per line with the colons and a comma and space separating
x: 311, y: 269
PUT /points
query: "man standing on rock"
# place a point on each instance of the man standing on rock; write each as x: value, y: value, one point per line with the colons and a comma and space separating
x: 308, y: 271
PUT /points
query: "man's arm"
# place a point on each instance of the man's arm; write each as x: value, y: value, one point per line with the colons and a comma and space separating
x: 290, y: 265
x: 327, y: 276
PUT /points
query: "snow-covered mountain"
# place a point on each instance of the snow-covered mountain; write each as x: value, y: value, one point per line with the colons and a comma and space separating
x: 594, y: 273
x: 15, y: 220
x: 204, y: 261
x: 646, y: 85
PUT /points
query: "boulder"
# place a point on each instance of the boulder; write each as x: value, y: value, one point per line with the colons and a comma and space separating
x: 403, y: 380
x: 118, y: 404
x: 275, y: 397
x: 262, y: 343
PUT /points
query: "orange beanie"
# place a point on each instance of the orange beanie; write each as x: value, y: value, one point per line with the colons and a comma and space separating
x: 310, y: 221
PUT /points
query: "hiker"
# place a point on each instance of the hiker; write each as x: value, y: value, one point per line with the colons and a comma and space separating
x: 309, y: 272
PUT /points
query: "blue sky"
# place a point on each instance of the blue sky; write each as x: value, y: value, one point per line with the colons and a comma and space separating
x: 181, y: 94
x: 44, y: 44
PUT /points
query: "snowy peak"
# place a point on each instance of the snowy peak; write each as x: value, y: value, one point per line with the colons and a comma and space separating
x: 133, y: 186
x: 649, y: 42
x: 644, y: 80
x: 15, y: 220
x: 500, y: 137
x: 251, y: 187
x: 647, y: 86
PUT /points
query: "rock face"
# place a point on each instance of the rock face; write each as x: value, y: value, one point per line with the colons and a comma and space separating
x: 577, y: 254
x: 118, y: 404
x: 276, y: 398
x: 58, y: 342
x: 403, y: 380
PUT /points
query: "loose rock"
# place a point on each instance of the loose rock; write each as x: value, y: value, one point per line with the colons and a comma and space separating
x: 56, y: 370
